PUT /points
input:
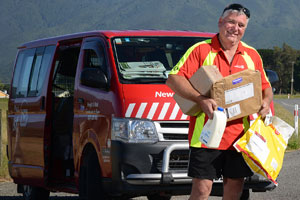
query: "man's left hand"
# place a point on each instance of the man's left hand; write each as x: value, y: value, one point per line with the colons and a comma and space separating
x: 264, y: 109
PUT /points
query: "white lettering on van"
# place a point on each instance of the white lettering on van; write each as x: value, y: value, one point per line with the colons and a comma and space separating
x: 92, y: 104
x: 164, y: 94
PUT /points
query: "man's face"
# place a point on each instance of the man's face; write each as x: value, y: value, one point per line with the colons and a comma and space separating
x: 232, y: 27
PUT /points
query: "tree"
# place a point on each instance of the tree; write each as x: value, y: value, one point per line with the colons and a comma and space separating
x: 267, y: 56
x: 3, y: 87
x: 284, y: 58
x: 297, y: 73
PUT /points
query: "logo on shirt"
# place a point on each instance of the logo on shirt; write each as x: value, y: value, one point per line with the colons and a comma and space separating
x: 240, y: 66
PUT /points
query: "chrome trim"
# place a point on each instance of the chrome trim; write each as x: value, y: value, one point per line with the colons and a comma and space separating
x: 168, y: 151
x: 155, y: 179
x: 173, y: 130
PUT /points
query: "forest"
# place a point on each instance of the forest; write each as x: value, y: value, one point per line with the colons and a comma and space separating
x: 285, y: 61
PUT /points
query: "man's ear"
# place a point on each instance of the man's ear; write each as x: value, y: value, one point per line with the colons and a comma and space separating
x: 220, y: 21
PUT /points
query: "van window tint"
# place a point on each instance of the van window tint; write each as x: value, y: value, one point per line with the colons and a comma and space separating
x: 95, y: 59
x: 46, y: 62
x: 22, y: 72
x: 17, y: 72
x: 35, y: 72
x: 30, y: 71
x: 92, y: 60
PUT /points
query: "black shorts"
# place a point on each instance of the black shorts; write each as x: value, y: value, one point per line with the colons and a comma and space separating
x: 212, y: 163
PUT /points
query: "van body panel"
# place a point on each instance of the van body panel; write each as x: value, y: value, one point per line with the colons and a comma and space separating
x: 152, y: 101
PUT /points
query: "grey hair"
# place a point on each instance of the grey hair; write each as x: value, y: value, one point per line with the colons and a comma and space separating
x: 227, y: 12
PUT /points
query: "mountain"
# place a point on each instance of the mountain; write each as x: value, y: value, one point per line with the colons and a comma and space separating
x: 272, y: 22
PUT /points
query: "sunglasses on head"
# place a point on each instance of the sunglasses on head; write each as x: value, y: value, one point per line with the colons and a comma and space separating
x: 238, y: 7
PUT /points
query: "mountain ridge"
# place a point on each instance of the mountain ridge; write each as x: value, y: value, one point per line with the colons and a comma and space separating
x: 272, y: 23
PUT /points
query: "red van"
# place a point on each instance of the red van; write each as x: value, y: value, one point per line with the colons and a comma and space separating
x: 90, y: 113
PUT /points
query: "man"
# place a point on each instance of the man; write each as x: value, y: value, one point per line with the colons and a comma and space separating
x: 230, y: 55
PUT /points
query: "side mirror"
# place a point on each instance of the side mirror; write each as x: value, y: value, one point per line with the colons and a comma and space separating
x: 94, y: 77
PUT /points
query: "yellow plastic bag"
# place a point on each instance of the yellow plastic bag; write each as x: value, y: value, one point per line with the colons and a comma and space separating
x: 263, y: 149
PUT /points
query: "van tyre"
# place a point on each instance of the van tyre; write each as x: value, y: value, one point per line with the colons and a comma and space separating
x: 90, y: 178
x: 35, y: 193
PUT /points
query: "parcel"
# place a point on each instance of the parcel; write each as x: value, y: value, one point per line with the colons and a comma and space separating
x: 240, y: 93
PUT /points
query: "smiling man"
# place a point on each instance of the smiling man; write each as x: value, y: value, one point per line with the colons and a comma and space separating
x: 230, y: 55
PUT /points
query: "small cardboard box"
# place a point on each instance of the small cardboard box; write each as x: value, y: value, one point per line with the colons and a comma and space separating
x: 187, y: 106
x: 240, y: 93
x: 204, y: 78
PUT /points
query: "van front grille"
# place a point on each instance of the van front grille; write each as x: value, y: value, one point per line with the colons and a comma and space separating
x: 178, y: 161
x: 170, y: 136
x: 172, y: 130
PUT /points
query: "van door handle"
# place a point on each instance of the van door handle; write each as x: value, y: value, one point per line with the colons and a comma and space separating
x: 80, y: 100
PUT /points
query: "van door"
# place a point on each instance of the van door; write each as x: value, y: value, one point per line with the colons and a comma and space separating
x: 94, y: 104
x: 27, y: 112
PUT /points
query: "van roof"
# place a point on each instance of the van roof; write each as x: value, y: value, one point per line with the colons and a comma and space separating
x: 113, y: 33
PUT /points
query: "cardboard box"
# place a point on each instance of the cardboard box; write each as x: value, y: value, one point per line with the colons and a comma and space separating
x: 188, y: 107
x: 240, y: 93
x: 204, y: 78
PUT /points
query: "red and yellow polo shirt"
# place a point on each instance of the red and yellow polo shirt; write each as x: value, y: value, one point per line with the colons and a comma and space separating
x: 209, y: 52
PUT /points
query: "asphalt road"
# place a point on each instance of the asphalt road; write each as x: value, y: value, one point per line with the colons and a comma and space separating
x: 288, y: 188
x: 288, y: 104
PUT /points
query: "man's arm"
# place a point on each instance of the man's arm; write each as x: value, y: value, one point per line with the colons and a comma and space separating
x: 267, y: 96
x: 181, y: 86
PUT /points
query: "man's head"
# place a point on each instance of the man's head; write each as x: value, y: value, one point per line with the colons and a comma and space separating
x: 233, y: 23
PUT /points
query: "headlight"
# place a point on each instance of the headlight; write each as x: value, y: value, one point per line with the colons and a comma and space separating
x: 134, y: 130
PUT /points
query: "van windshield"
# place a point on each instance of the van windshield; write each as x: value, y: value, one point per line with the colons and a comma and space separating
x: 149, y: 59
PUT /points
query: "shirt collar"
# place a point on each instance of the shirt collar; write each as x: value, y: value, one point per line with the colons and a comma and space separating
x: 216, y: 46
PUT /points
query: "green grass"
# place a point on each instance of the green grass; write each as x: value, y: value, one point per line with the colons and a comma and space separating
x: 3, y: 164
x: 285, y: 96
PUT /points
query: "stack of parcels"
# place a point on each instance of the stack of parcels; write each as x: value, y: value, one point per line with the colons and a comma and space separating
x: 263, y: 147
x: 240, y: 94
x: 133, y: 70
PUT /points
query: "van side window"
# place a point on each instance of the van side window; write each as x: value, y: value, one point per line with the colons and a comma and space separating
x: 22, y: 72
x: 32, y: 92
x: 95, y: 59
x: 46, y: 62
x: 30, y: 71
x: 92, y: 60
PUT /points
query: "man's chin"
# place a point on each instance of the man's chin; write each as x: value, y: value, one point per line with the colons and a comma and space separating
x: 233, y: 39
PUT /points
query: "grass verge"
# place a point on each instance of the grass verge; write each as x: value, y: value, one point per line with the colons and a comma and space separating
x: 3, y: 139
x: 288, y: 117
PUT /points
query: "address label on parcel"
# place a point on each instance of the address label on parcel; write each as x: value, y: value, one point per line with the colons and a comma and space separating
x: 239, y: 94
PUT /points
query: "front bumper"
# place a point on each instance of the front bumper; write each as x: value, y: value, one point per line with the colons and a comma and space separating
x: 163, y: 166
x: 165, y: 176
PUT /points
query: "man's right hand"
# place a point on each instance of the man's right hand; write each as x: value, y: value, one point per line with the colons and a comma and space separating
x: 207, y: 105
